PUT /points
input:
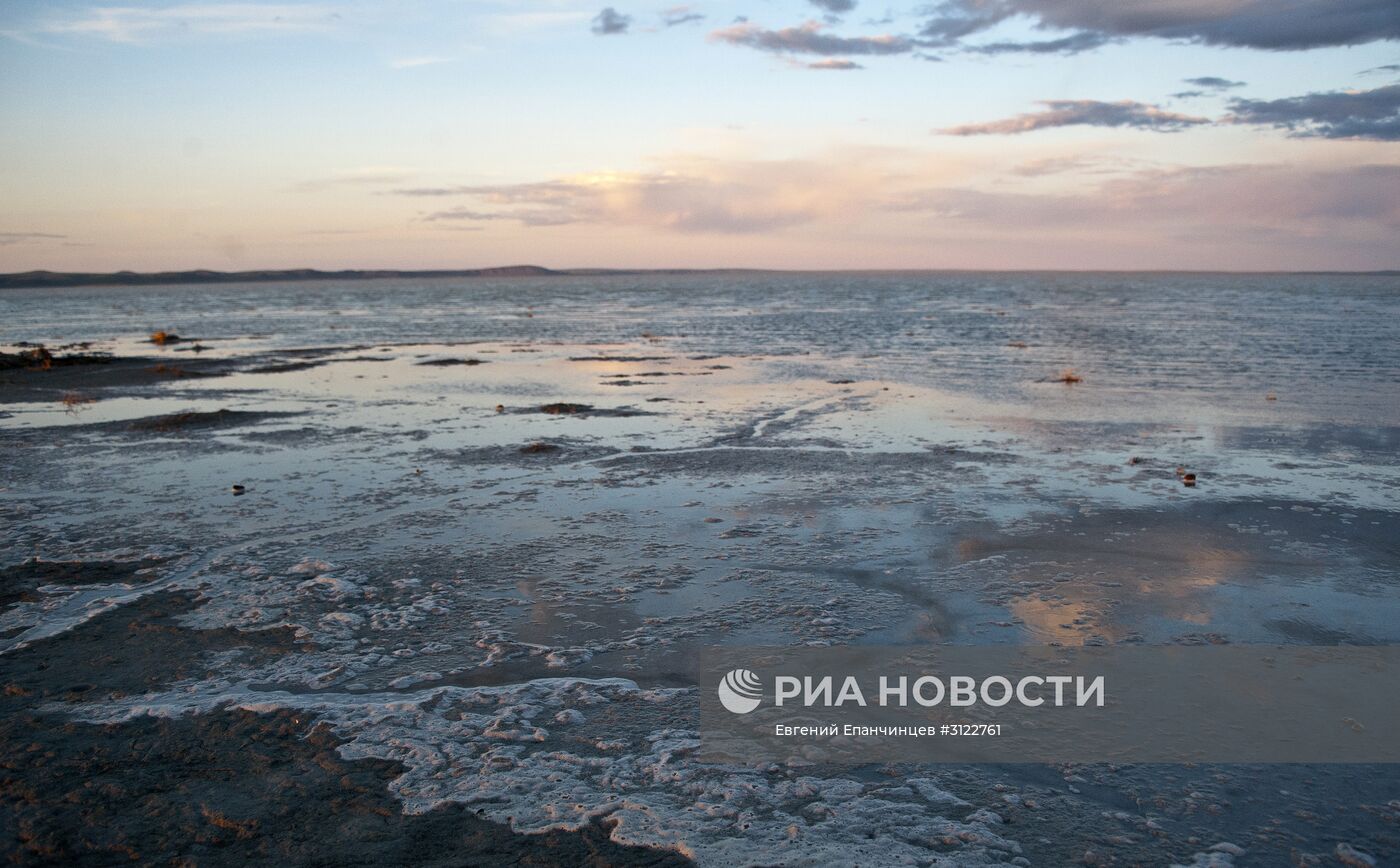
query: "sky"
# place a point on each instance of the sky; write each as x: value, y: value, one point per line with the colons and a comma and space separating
x: 802, y: 134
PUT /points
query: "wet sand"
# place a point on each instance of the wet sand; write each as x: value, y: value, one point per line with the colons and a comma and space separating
x: 448, y: 614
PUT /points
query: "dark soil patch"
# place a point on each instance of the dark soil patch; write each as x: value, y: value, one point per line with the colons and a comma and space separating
x: 225, y: 788
x: 90, y: 372
x: 195, y: 419
x: 565, y: 409
x: 18, y: 582
x: 444, y: 363
x: 133, y: 649
x: 237, y: 788
x: 41, y: 359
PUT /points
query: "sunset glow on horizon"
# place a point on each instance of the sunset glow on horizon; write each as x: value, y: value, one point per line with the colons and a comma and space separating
x: 802, y: 134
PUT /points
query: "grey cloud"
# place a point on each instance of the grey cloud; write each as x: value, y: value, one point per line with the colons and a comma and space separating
x: 353, y: 179
x: 715, y: 198
x: 1368, y: 114
x: 1301, y: 214
x: 1051, y: 166
x: 463, y: 214
x: 1286, y: 201
x: 1083, y: 112
x: 1211, y: 84
x: 429, y: 191
x: 1082, y: 165
x: 8, y: 238
x: 678, y: 15
x: 525, y: 216
x: 1214, y: 82
x: 540, y: 193
x: 835, y: 7
x: 1072, y: 44
x: 839, y: 65
x: 952, y: 20
x: 1278, y: 25
x: 809, y: 39
x: 610, y: 22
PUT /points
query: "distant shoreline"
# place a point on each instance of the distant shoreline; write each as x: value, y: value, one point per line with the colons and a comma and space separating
x: 65, y: 279
x: 56, y: 279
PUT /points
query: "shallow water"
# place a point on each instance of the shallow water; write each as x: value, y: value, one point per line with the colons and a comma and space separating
x: 776, y: 459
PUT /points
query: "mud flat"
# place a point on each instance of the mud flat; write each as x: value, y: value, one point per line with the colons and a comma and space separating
x: 288, y: 605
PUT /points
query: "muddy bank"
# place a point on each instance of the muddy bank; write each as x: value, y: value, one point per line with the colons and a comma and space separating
x: 21, y: 581
x: 227, y: 788
x: 562, y: 408
x: 38, y: 374
x: 174, y: 422
x: 91, y: 373
x: 239, y: 788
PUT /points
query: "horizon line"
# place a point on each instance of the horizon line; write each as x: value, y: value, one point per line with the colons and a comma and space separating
x: 44, y: 278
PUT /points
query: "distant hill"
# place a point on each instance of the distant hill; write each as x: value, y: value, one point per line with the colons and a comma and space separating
x: 31, y: 279
x: 133, y: 278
